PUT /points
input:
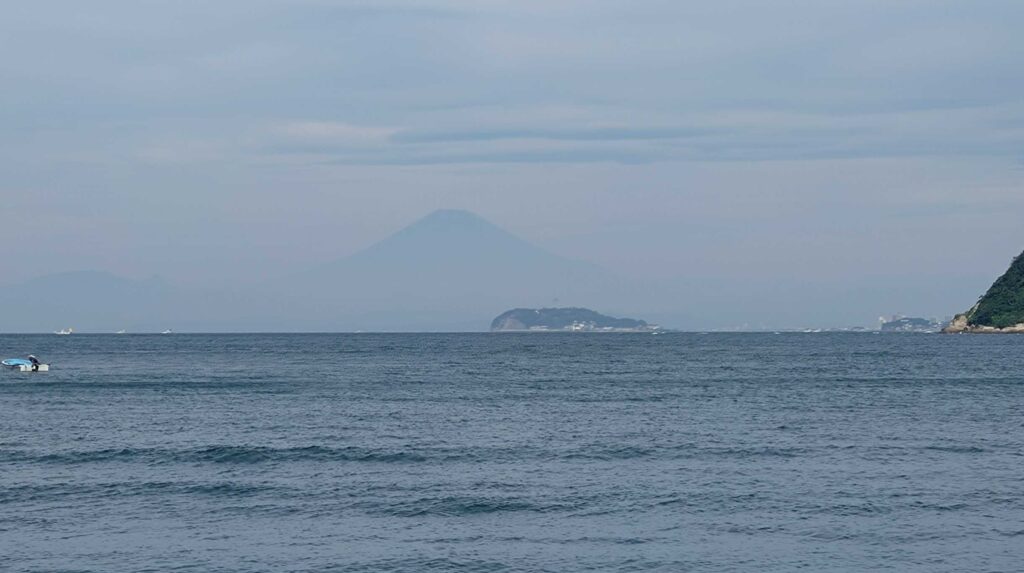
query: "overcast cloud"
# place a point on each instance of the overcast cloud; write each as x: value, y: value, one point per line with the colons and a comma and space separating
x: 800, y: 149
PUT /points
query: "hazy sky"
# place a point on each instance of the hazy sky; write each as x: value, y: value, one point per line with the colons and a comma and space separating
x: 867, y: 151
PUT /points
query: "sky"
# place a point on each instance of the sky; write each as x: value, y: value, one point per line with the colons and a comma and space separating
x: 867, y: 156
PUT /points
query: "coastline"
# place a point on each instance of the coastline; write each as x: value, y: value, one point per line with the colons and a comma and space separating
x: 960, y: 325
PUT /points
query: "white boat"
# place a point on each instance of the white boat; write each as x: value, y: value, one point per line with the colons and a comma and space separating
x: 23, y: 365
x: 65, y: 331
x: 122, y: 331
x: 168, y: 331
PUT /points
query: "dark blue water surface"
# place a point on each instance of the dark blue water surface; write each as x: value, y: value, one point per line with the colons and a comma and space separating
x: 547, y: 452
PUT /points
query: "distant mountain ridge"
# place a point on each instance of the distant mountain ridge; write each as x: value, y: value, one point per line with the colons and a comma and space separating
x: 1000, y: 309
x: 448, y: 271
x: 452, y: 238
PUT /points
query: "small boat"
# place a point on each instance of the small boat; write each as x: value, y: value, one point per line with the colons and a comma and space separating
x: 122, y: 331
x: 65, y: 331
x: 23, y: 365
x: 168, y: 331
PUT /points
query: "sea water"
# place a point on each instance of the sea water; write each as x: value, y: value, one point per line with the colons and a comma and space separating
x: 513, y: 452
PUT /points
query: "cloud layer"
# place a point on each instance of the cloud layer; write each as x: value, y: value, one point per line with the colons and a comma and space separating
x: 784, y: 142
x: 457, y: 82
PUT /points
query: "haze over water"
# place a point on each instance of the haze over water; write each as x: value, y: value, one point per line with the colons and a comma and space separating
x: 745, y: 164
x: 478, y: 452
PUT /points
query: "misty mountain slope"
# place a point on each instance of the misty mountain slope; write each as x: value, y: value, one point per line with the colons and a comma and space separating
x: 449, y: 268
x: 457, y: 240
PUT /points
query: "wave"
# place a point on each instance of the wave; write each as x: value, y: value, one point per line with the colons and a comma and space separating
x: 461, y: 506
x: 957, y: 449
x: 51, y: 492
x: 259, y: 454
x: 421, y: 564
x: 249, y: 454
x: 226, y: 454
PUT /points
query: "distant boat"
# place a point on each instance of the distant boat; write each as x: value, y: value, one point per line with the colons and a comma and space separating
x: 65, y: 331
x: 122, y: 331
x: 168, y: 331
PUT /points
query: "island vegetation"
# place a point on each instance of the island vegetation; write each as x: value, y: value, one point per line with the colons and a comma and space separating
x: 570, y: 319
x: 1001, y: 309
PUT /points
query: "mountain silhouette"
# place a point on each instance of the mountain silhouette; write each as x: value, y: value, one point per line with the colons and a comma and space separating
x: 450, y: 270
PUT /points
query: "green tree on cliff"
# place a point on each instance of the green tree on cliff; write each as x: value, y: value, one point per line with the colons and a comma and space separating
x: 1003, y: 304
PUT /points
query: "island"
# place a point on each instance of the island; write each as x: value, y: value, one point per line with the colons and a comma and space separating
x: 910, y: 324
x: 1000, y: 310
x: 566, y: 320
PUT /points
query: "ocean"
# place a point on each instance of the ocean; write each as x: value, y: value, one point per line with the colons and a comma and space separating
x: 513, y: 452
